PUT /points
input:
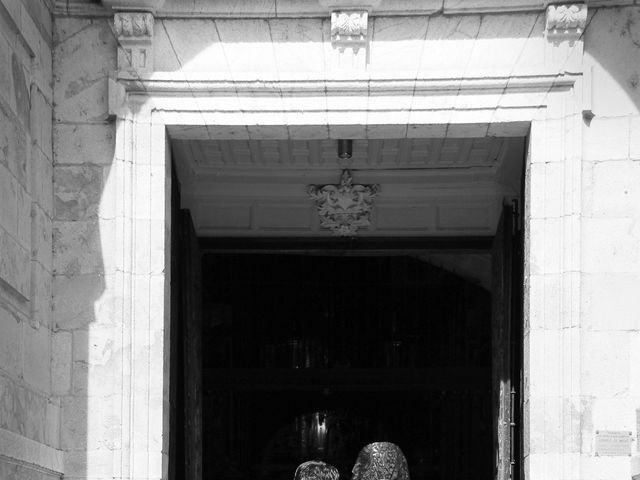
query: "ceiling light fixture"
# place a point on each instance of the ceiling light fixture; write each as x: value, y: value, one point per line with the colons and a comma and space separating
x: 345, y: 149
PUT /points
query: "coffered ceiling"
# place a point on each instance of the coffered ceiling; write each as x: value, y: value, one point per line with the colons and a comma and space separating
x: 218, y: 156
x: 428, y: 186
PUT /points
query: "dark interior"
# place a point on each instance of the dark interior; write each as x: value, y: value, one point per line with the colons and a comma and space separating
x: 314, y: 356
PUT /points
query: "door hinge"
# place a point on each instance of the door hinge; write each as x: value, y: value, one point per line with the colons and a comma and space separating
x: 512, y: 434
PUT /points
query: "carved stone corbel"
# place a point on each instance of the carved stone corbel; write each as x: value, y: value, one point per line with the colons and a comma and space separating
x: 133, y: 26
x: 134, y: 31
x: 566, y: 21
x: 349, y: 22
x: 349, y: 28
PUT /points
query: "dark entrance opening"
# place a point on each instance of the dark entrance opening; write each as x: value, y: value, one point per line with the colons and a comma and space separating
x: 311, y: 356
x: 316, y: 348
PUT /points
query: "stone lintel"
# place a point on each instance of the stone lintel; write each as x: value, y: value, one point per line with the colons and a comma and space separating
x: 566, y: 21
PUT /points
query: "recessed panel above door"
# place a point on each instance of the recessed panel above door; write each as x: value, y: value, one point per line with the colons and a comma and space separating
x: 428, y: 186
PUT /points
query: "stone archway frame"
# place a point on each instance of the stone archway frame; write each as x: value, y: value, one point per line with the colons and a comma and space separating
x: 152, y: 108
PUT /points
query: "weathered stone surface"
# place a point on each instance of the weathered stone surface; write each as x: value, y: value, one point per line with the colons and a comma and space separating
x: 84, y: 143
x: 77, y: 191
x: 73, y: 431
x: 37, y: 358
x: 611, y: 245
x: 14, y: 265
x: 74, y: 299
x: 12, y: 471
x: 42, y: 182
x: 22, y: 411
x: 77, y: 248
x: 61, y: 359
x: 6, y: 92
x: 80, y: 411
x: 42, y: 237
x: 8, y: 201
x: 607, y: 139
x: 23, y: 235
x: 40, y: 115
x: 52, y: 432
x: 611, y: 301
x: 21, y: 91
x: 14, y: 153
x: 41, y: 300
x: 606, y: 363
x: 611, y: 48
x: 84, y: 54
x: 10, y: 344
x: 611, y: 189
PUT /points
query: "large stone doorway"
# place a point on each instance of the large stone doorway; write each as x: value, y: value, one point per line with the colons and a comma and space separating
x: 312, y: 346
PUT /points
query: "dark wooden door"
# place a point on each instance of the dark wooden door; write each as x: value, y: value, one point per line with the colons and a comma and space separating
x: 506, y: 345
x: 186, y: 455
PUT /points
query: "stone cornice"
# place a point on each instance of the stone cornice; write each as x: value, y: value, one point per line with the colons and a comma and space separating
x: 314, y: 9
x: 170, y: 84
x: 133, y: 5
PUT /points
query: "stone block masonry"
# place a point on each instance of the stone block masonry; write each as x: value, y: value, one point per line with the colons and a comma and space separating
x: 29, y: 413
x: 87, y: 364
x: 83, y: 278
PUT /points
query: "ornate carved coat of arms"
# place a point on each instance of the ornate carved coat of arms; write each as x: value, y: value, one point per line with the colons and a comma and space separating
x: 346, y: 207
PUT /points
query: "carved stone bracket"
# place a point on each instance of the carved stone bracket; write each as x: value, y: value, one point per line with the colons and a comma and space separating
x: 345, y: 207
x: 134, y: 31
x: 349, y: 28
x: 566, y: 20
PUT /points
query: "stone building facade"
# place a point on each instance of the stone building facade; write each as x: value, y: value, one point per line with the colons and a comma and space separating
x: 92, y: 95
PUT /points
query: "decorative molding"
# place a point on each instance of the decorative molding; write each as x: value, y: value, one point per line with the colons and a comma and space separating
x: 137, y: 5
x: 566, y: 20
x: 134, y: 31
x: 308, y: 9
x: 133, y: 24
x: 349, y: 28
x: 173, y: 83
x: 346, y: 207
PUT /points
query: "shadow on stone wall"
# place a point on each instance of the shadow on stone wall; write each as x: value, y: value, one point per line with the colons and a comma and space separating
x: 89, y: 283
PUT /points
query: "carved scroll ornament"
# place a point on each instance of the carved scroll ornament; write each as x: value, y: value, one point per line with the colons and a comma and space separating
x: 133, y: 24
x: 566, y: 20
x: 349, y: 27
x: 346, y: 207
x: 134, y: 31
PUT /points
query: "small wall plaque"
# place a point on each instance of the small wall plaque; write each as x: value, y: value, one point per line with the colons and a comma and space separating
x: 613, y: 443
